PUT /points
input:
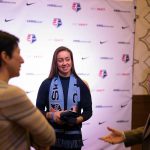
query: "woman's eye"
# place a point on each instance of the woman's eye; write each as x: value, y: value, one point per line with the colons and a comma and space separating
x: 59, y: 60
x: 67, y: 59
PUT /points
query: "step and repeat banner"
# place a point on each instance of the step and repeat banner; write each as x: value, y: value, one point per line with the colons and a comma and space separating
x: 101, y: 35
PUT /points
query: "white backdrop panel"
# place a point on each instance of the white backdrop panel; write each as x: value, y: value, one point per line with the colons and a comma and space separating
x: 101, y: 35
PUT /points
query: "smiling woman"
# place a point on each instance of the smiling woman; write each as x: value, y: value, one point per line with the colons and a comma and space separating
x: 64, y: 63
x: 64, y: 94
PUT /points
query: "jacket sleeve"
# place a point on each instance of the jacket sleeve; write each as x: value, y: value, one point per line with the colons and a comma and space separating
x: 134, y: 136
x: 86, y: 101
x: 21, y: 111
x: 42, y: 102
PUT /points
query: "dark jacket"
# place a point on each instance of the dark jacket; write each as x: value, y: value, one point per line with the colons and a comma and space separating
x: 140, y: 135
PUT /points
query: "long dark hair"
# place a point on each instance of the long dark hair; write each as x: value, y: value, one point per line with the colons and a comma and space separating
x: 54, y: 69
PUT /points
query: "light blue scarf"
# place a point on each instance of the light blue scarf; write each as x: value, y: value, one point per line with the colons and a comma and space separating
x: 56, y: 96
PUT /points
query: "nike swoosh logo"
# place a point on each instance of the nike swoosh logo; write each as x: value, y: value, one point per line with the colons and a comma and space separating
x: 102, y: 42
x: 123, y: 106
x: 7, y: 20
x: 28, y: 92
x: 28, y: 4
x: 101, y: 122
x: 84, y: 58
x: 124, y: 27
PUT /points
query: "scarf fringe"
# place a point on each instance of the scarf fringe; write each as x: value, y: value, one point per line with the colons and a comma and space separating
x: 70, y: 144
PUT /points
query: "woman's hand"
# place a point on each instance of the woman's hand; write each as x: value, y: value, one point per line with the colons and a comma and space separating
x: 79, y: 120
x: 56, y: 117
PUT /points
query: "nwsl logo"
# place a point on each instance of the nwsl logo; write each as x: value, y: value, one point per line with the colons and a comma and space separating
x: 57, y: 22
x: 103, y: 73
x: 56, y: 107
x: 76, y: 6
x: 31, y: 38
x: 125, y: 58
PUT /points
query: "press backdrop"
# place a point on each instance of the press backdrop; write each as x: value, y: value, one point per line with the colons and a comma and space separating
x: 101, y: 35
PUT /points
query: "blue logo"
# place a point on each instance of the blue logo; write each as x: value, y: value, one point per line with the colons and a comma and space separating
x: 76, y: 6
x: 105, y: 26
x: 121, y: 90
x: 34, y: 21
x: 54, y: 5
x: 57, y: 22
x: 106, y: 58
x: 7, y: 2
x: 121, y: 11
x: 122, y: 42
x: 122, y: 121
x: 103, y: 73
x: 31, y: 38
x: 81, y: 41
